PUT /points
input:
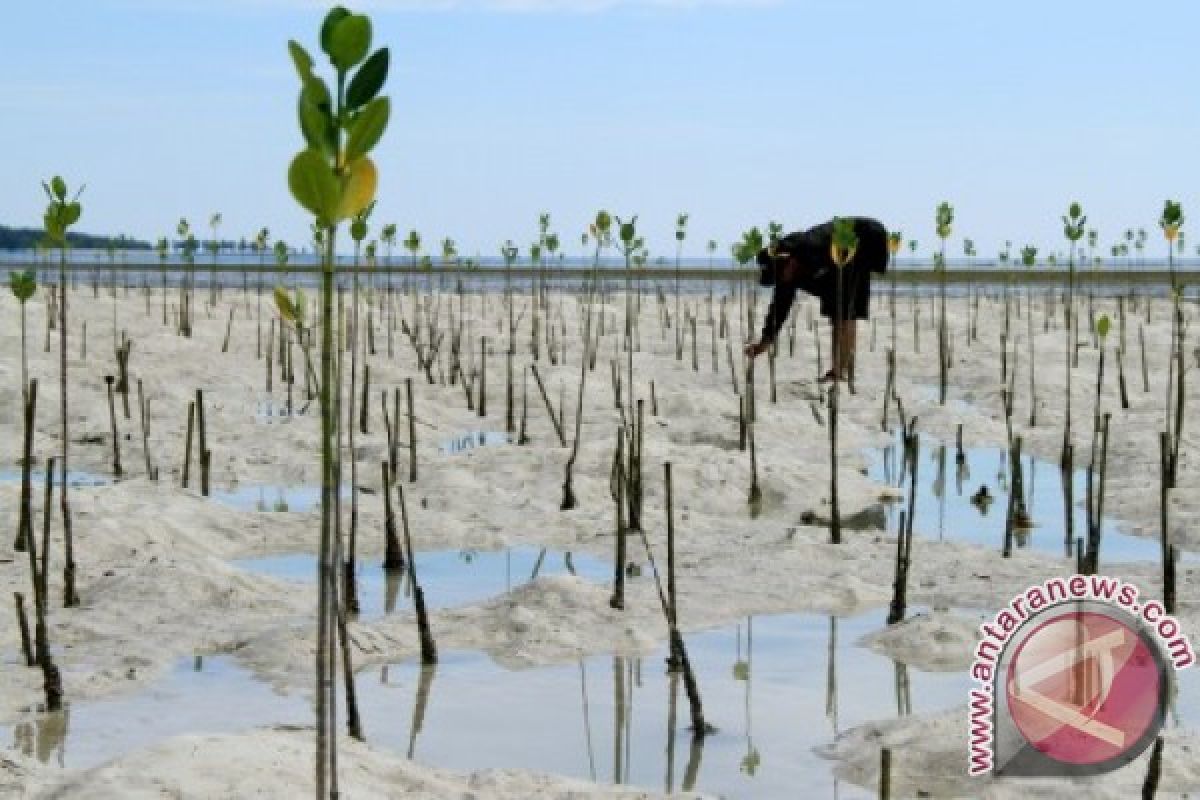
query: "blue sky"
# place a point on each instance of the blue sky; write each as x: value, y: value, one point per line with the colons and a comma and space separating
x: 736, y: 112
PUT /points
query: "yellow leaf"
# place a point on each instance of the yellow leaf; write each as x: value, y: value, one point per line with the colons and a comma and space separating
x: 284, y: 304
x: 841, y: 256
x: 359, y: 190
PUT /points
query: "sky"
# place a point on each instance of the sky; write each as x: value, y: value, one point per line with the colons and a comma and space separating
x: 735, y: 111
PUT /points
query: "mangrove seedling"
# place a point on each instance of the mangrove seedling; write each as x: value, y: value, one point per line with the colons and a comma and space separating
x: 333, y: 179
x: 1073, y: 229
x: 627, y: 233
x: 413, y: 245
x: 1028, y: 260
x: 944, y: 226
x: 214, y: 250
x: 60, y: 215
x: 23, y: 286
x: 601, y: 234
x: 895, y: 242
x: 189, y: 246
x: 680, y: 234
x: 845, y: 243
x: 387, y: 235
x: 163, y: 247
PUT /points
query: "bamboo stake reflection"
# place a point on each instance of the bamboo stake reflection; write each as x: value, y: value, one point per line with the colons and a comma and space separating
x: 744, y: 671
x: 672, y: 705
x: 424, y: 685
x: 903, y: 690
x: 618, y: 669
x: 831, y: 704
x: 629, y: 685
x: 537, y: 566
x: 44, y: 737
x: 587, y: 722
x: 695, y: 756
x: 939, y: 490
x: 391, y: 589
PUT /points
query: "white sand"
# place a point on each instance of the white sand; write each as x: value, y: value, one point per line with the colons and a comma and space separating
x: 928, y: 756
x: 156, y: 585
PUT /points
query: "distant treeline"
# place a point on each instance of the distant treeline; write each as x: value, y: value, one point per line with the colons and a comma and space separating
x: 28, y: 238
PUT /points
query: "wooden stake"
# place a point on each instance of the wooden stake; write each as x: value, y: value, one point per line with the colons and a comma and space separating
x: 483, y: 376
x: 187, y: 446
x: 428, y: 648
x: 412, y: 433
x: 23, y: 624
x: 562, y: 440
x: 618, y: 595
x: 393, y: 558
x: 203, y: 452
x: 112, y: 417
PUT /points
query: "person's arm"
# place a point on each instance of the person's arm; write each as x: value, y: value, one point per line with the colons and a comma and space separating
x: 777, y: 314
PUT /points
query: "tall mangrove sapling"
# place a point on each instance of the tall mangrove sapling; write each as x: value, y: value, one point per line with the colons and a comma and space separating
x: 333, y: 179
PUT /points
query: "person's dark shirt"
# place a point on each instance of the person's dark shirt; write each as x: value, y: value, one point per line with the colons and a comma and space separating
x: 812, y: 248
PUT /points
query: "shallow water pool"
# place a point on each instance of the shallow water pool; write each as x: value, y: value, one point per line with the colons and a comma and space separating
x: 946, y: 508
x: 77, y: 479
x: 776, y: 687
x: 448, y: 577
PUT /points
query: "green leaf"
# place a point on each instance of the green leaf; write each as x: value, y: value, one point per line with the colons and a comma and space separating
x: 1102, y: 326
x: 299, y: 303
x: 349, y: 41
x: 23, y: 284
x: 627, y: 230
x: 317, y: 126
x: 367, y: 128
x: 301, y: 58
x: 335, y: 15
x: 71, y: 213
x: 284, y: 303
x: 369, y: 79
x: 314, y: 185
x: 316, y: 91
x: 54, y: 231
x: 60, y: 188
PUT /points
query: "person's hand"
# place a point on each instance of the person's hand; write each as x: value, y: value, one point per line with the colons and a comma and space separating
x: 753, y: 350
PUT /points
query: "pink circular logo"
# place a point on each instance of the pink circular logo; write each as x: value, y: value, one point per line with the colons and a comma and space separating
x: 1085, y: 688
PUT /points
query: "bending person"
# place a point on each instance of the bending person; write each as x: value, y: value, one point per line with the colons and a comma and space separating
x: 804, y: 261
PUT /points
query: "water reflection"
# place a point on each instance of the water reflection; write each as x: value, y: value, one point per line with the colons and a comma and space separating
x: 983, y: 481
x: 449, y: 577
x: 76, y: 479
x: 473, y: 440
x: 45, y: 737
x: 424, y: 684
x: 268, y: 409
x: 484, y: 716
x: 469, y: 713
x: 200, y: 695
x: 275, y: 498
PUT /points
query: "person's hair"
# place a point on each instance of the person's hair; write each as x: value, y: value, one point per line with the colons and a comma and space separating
x: 768, y: 268
x: 771, y: 264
